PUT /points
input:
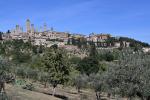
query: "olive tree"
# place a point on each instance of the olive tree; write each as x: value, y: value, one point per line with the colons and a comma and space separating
x: 57, y: 65
x: 127, y: 77
x: 80, y: 82
x: 97, y: 82
x: 43, y: 77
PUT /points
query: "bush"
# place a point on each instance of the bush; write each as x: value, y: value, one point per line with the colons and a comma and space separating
x: 29, y: 87
x: 21, y: 72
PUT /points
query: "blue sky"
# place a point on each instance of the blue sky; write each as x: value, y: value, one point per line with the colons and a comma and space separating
x: 129, y: 18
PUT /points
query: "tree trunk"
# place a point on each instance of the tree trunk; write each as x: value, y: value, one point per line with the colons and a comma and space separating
x: 98, y: 96
x: 142, y: 98
x: 54, y: 90
x: 139, y: 94
x: 108, y: 95
x: 78, y: 90
x: 148, y: 98
x: 45, y: 84
x: 2, y: 86
x: 129, y: 98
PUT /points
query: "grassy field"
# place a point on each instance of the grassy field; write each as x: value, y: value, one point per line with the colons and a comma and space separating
x: 17, y: 93
x: 40, y: 93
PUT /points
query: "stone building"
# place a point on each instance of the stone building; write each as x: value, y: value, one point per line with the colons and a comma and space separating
x: 99, y: 39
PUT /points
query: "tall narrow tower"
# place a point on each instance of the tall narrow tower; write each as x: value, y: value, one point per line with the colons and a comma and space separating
x: 41, y: 29
x: 45, y: 27
x: 28, y: 26
x: 32, y: 28
x: 52, y: 29
x: 17, y: 29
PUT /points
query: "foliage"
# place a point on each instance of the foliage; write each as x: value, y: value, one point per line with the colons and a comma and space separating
x: 57, y: 65
x: 88, y: 65
x: 97, y: 82
x: 133, y: 42
x: 21, y: 72
x: 43, y: 77
x: 37, y: 62
x: 108, y: 55
x: 75, y: 60
x: 29, y: 87
x: 123, y: 72
x: 80, y: 82
x: 3, y: 96
x: 16, y: 50
x: 127, y: 77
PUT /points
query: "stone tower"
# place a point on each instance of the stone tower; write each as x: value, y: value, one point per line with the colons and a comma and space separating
x: 17, y: 29
x: 52, y: 29
x: 28, y: 26
x: 41, y: 29
x: 45, y: 27
x: 32, y: 28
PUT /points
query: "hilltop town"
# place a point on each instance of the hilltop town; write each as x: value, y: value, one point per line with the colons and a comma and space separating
x: 48, y: 37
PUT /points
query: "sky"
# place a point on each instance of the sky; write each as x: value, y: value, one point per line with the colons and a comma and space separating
x: 129, y: 18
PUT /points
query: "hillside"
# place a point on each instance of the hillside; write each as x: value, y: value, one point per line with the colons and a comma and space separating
x: 17, y: 93
x: 47, y: 71
x: 66, y: 93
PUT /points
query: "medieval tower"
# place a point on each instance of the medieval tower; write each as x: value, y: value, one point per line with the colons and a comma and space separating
x: 28, y: 26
